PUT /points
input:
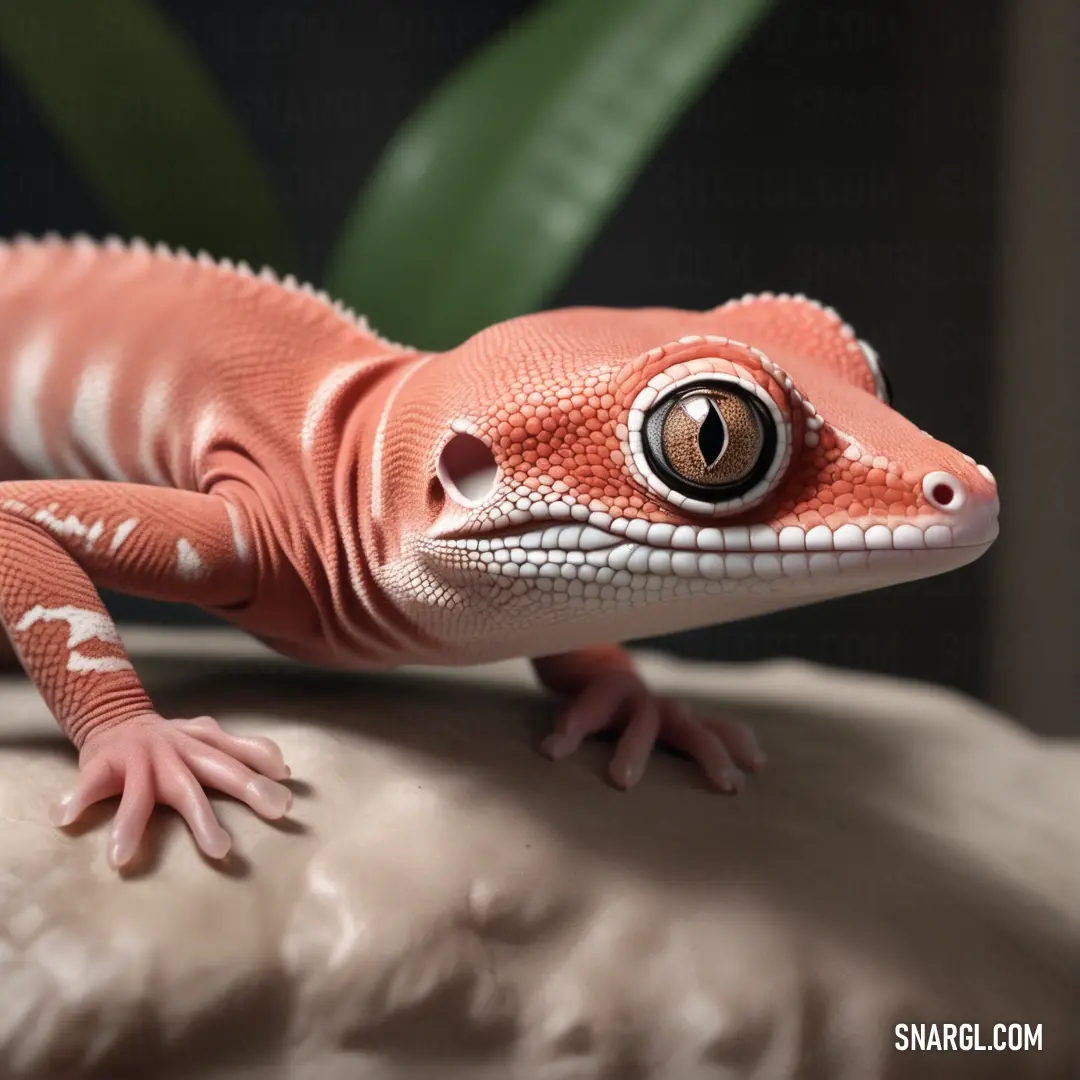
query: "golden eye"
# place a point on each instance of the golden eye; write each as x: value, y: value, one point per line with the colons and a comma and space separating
x: 712, y: 440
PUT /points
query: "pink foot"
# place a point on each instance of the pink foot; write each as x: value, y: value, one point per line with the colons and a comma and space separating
x: 149, y: 760
x: 725, y: 750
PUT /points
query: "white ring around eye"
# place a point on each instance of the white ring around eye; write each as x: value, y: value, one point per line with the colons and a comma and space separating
x: 638, y: 461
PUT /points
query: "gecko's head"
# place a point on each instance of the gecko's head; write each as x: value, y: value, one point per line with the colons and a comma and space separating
x: 604, y: 475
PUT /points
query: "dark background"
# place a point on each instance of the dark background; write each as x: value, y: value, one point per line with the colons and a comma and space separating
x: 850, y: 151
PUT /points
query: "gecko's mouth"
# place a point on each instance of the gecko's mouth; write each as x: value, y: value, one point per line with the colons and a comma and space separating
x: 608, y: 550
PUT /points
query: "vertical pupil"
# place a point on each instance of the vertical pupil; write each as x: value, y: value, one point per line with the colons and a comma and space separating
x: 712, y: 435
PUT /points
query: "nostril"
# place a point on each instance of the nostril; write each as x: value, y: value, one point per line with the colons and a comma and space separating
x: 944, y: 491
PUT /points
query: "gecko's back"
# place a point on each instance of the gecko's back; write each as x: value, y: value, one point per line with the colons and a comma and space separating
x: 116, y: 361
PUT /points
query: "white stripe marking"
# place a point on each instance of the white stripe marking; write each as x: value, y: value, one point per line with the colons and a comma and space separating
x: 152, y: 416
x: 90, y: 417
x: 240, y: 544
x: 83, y: 625
x: 410, y: 369
x: 349, y: 539
x: 70, y: 526
x: 324, y: 395
x: 78, y: 661
x: 189, y: 564
x: 123, y: 531
x: 25, y: 435
x: 206, y: 427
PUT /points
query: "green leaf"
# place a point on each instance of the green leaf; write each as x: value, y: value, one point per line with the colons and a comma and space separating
x: 142, y: 121
x: 488, y: 195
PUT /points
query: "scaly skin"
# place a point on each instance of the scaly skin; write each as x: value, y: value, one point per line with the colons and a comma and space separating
x: 184, y: 430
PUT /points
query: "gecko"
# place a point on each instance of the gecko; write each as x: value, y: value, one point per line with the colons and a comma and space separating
x: 184, y: 429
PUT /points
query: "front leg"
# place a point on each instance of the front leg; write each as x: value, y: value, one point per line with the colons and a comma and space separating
x: 56, y: 540
x: 607, y: 692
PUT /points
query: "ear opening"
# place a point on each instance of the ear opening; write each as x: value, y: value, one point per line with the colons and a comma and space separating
x: 467, y: 469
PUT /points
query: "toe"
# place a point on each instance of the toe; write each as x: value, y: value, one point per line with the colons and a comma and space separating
x: 97, y: 781
x: 178, y: 787
x: 596, y: 708
x: 218, y: 770
x: 739, y: 741
x: 636, y: 744
x: 262, y: 755
x: 136, y: 805
x: 703, y: 745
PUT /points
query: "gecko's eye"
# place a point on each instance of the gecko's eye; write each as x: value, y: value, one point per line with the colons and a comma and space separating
x: 712, y: 442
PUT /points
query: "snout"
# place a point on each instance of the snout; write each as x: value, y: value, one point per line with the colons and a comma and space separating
x: 968, y: 506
